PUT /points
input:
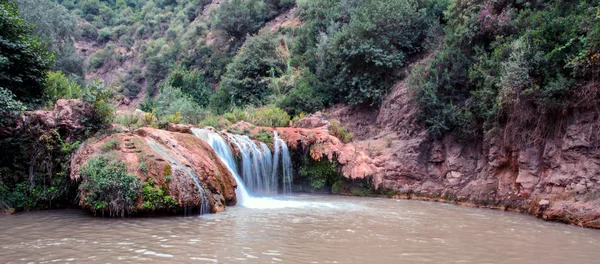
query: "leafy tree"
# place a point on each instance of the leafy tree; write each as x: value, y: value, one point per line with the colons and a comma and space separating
x: 239, y: 18
x: 172, y: 101
x: 246, y: 81
x: 191, y: 83
x: 23, y: 57
x: 58, y: 86
x: 56, y: 26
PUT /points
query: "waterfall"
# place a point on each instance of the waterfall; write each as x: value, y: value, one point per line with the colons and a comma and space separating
x: 221, y: 148
x: 256, y: 165
x: 281, y: 149
x: 258, y: 168
x: 205, y: 205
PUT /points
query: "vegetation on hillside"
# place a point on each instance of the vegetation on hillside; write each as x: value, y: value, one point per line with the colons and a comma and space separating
x: 521, y: 65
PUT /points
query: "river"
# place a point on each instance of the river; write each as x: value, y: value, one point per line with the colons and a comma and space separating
x: 300, y: 229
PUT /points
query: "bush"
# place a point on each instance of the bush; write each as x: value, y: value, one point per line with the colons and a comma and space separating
x: 507, y: 64
x: 269, y: 116
x: 89, y: 32
x: 24, y: 59
x: 104, y: 35
x: 378, y: 40
x: 155, y: 198
x: 60, y: 86
x: 191, y: 83
x: 339, y: 131
x: 305, y: 96
x: 173, y: 103
x: 113, y: 144
x: 108, y: 188
x: 247, y: 78
x: 239, y: 18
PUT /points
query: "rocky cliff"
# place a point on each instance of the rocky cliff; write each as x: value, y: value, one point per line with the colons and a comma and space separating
x: 557, y: 179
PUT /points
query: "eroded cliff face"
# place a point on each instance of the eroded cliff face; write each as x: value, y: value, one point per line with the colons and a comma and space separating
x: 167, y: 158
x: 558, y: 179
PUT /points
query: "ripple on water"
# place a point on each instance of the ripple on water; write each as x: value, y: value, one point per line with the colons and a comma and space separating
x: 301, y: 229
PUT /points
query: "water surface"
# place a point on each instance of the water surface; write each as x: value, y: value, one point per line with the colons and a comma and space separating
x: 300, y: 229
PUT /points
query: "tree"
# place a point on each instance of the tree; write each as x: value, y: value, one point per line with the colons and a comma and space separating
x: 24, y: 59
x: 239, y: 18
x: 378, y: 40
x: 248, y: 75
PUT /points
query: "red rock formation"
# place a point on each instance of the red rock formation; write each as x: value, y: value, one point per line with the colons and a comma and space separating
x: 558, y: 179
x: 186, y: 149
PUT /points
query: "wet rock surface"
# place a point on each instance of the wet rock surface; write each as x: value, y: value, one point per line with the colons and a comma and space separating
x: 169, y: 167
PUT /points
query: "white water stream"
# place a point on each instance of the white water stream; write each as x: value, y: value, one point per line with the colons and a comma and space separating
x: 259, y: 168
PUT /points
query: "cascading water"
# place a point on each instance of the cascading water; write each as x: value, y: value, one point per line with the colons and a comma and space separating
x: 281, y: 149
x: 205, y: 205
x: 221, y: 148
x: 256, y: 165
x: 259, y: 167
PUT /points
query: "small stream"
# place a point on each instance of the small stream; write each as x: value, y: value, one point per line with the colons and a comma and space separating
x: 300, y: 229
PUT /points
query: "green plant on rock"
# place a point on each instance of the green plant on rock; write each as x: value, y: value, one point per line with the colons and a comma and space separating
x: 107, y: 188
x: 320, y: 175
x: 264, y: 136
x: 110, y: 145
x: 338, y: 130
x: 156, y: 198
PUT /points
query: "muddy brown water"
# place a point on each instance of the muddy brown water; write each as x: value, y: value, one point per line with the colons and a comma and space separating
x: 302, y: 229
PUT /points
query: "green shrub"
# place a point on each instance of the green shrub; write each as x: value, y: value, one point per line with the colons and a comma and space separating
x: 24, y: 58
x: 519, y: 71
x: 191, y: 83
x: 104, y: 35
x: 173, y: 103
x: 319, y: 175
x: 246, y: 81
x: 60, y: 86
x: 264, y: 136
x: 156, y: 198
x: 269, y: 116
x: 113, y: 144
x: 108, y: 188
x: 338, y: 130
x: 89, y: 32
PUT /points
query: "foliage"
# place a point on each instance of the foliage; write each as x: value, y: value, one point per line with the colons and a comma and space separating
x: 239, y: 18
x: 110, y: 145
x: 155, y: 198
x: 269, y: 116
x: 45, y: 154
x: 101, y: 99
x: 338, y: 130
x: 23, y: 57
x: 246, y: 81
x: 264, y: 136
x: 509, y: 64
x: 55, y: 25
x: 8, y: 104
x: 180, y: 107
x: 319, y: 175
x: 306, y: 96
x: 191, y: 83
x: 108, y: 188
x: 60, y: 86
x: 376, y: 42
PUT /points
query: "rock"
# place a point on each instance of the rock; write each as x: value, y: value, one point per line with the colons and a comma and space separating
x: 190, y: 154
x: 179, y: 128
x: 67, y: 113
x: 312, y: 121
